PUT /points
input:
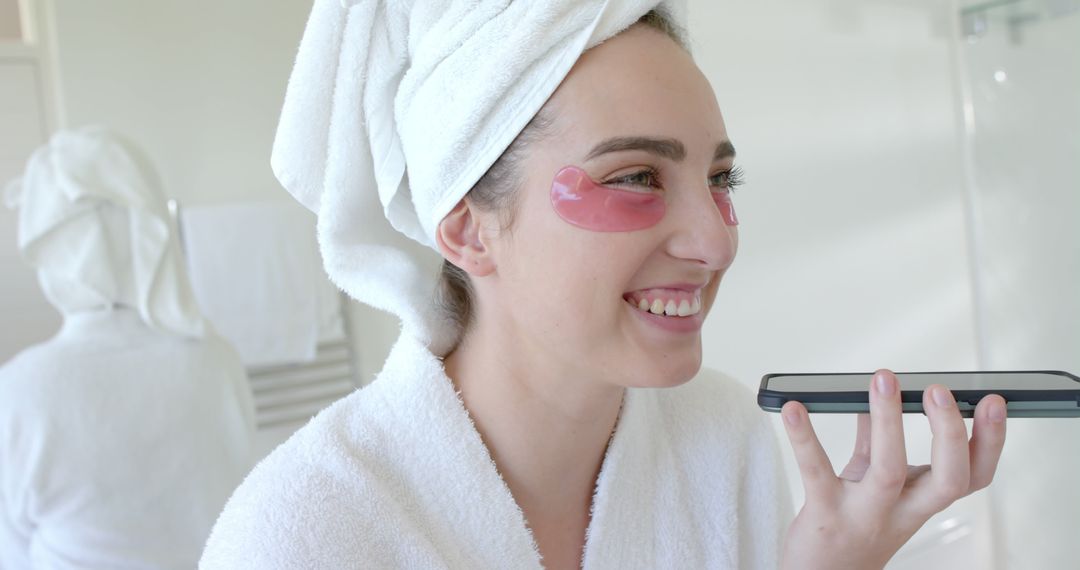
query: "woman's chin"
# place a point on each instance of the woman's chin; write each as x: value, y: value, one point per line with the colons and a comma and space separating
x: 665, y: 371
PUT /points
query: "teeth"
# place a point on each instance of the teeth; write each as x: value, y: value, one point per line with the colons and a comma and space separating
x: 671, y: 307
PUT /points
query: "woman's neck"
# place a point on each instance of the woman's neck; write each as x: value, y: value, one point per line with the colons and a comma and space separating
x: 547, y: 429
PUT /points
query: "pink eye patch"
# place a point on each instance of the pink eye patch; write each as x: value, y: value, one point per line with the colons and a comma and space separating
x: 583, y: 203
x: 727, y: 208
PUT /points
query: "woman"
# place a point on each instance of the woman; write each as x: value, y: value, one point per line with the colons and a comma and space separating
x: 121, y: 436
x: 578, y: 270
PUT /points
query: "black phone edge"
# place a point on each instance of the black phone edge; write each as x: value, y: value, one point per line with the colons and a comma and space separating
x: 774, y: 400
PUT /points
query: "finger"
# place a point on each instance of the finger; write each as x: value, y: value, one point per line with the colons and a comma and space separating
x: 987, y: 440
x: 860, y: 458
x: 888, y: 455
x: 819, y: 480
x: 950, y: 468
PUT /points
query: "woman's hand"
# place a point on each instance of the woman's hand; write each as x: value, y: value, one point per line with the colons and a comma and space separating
x: 861, y: 518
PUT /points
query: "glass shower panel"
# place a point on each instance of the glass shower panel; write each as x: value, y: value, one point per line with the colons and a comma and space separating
x: 1020, y: 77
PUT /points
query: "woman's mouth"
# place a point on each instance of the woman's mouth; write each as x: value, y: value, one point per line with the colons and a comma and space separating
x: 668, y: 302
x: 672, y: 309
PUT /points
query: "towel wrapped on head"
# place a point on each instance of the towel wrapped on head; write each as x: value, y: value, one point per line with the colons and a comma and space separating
x: 395, y: 110
x: 93, y: 223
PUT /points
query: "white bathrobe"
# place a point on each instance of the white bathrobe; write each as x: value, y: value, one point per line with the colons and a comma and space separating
x: 396, y: 476
x: 119, y: 445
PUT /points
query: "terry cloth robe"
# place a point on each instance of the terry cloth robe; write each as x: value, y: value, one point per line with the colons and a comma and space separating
x: 396, y: 476
x: 119, y: 445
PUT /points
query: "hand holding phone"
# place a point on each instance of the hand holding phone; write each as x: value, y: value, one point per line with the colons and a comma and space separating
x: 861, y: 518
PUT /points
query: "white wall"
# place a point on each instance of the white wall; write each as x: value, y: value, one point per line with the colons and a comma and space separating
x: 853, y: 247
x: 28, y: 113
x: 25, y: 316
x: 197, y: 84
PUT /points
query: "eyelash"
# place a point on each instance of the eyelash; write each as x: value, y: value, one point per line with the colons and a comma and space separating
x: 734, y: 178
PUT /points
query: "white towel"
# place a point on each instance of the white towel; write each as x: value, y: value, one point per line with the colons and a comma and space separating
x: 93, y: 222
x: 394, y: 110
x: 256, y: 273
x: 396, y: 476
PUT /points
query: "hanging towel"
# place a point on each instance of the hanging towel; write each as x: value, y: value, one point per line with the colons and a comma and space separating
x: 396, y: 476
x: 257, y: 275
x: 441, y: 86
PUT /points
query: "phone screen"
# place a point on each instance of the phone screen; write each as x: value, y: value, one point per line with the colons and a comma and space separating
x: 919, y: 381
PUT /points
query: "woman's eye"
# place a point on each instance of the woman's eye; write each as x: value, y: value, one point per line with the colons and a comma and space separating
x: 644, y: 178
x: 727, y: 180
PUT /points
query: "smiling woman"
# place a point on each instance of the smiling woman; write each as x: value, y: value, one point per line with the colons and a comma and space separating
x: 576, y: 183
x: 566, y: 348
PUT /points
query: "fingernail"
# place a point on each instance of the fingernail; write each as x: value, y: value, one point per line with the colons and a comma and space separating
x: 791, y: 416
x: 942, y: 397
x: 997, y: 414
x: 885, y: 385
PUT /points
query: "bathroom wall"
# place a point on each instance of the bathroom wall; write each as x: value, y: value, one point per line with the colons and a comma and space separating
x: 198, y: 84
x: 28, y: 113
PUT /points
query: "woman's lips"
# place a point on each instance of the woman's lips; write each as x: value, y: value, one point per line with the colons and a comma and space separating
x: 676, y: 324
x: 673, y: 301
x: 673, y: 308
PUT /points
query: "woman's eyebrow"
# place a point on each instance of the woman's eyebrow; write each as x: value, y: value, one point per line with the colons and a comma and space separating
x: 672, y: 149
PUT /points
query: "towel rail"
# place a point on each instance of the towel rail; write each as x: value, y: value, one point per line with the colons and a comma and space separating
x: 290, y: 394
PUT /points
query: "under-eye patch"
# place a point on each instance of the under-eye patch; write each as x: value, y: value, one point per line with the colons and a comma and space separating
x: 583, y: 203
x: 727, y: 208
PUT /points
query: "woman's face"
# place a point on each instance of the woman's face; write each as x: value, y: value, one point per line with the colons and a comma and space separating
x: 572, y: 294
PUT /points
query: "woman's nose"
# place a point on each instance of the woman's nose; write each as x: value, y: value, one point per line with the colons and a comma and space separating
x: 698, y: 231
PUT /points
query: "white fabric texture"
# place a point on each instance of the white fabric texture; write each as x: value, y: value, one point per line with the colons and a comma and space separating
x: 442, y: 86
x: 119, y: 445
x: 257, y: 276
x: 94, y: 224
x: 396, y: 476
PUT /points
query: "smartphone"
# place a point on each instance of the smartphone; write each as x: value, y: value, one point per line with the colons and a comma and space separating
x: 1028, y: 393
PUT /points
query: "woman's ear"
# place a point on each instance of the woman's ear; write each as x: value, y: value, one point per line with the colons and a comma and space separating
x: 458, y: 238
